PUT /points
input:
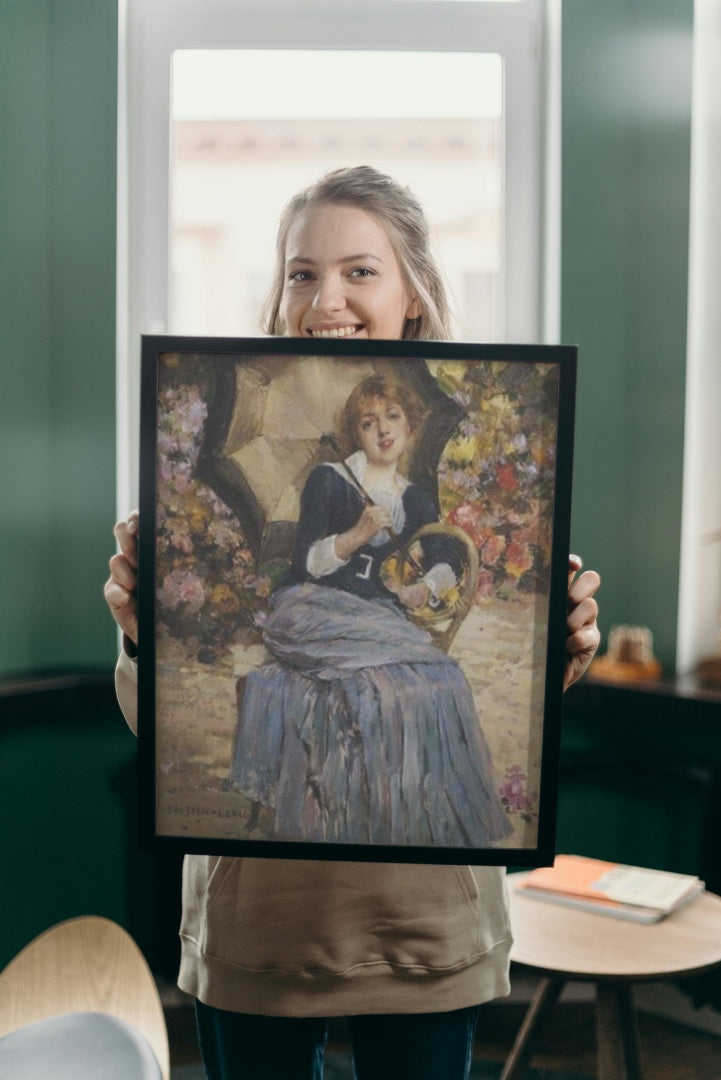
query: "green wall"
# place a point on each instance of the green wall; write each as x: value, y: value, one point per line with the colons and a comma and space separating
x: 626, y: 145
x: 67, y: 761
x: 68, y: 804
x: 58, y: 72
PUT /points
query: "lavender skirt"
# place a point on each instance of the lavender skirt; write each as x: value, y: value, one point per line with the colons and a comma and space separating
x: 359, y: 730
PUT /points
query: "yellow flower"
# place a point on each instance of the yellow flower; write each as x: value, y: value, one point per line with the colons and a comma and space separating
x: 540, y: 448
x: 498, y: 425
x: 450, y: 374
x: 463, y: 451
x: 449, y: 599
x: 223, y: 598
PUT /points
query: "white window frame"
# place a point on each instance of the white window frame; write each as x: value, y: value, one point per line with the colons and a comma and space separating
x: 699, y: 597
x: 526, y: 34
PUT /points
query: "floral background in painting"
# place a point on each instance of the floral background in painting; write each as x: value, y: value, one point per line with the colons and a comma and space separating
x: 496, y: 477
x: 496, y: 480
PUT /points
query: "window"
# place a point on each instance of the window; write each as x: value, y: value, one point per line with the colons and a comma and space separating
x: 232, y: 104
x: 235, y: 161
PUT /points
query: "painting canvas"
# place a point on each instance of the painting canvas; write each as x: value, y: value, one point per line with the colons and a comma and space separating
x: 352, y: 595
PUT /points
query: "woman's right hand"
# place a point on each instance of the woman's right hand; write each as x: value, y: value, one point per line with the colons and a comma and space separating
x: 121, y: 587
x: 372, y: 520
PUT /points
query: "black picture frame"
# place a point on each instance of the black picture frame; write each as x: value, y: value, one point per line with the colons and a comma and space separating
x: 236, y: 752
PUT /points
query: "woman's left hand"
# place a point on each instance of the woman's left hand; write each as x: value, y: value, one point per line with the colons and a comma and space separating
x: 413, y: 597
x: 582, y: 633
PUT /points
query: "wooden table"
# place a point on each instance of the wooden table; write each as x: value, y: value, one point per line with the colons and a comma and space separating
x: 563, y: 944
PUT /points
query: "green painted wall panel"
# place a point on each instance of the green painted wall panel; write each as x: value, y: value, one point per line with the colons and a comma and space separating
x: 84, y: 66
x: 58, y: 77
x: 69, y: 801
x: 25, y: 401
x: 70, y: 833
x: 641, y: 779
x: 626, y: 146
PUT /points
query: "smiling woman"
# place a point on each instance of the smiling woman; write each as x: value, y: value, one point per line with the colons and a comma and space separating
x: 353, y: 259
x: 332, y: 290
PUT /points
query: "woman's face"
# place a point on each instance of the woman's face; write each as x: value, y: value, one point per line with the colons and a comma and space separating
x: 342, y: 277
x: 383, y: 431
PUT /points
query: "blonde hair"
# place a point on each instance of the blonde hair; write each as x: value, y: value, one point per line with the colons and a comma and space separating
x: 402, y: 216
x: 385, y: 388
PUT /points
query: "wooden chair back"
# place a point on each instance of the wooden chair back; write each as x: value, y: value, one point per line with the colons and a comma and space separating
x: 87, y: 964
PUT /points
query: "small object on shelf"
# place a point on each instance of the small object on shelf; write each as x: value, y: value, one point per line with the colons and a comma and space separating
x: 635, y: 893
x: 709, y: 670
x: 629, y: 657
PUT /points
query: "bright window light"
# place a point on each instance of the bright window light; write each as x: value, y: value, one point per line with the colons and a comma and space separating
x: 220, y: 84
x: 239, y: 154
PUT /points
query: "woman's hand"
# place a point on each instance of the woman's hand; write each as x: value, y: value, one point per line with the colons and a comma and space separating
x: 413, y: 597
x: 120, y: 588
x: 368, y: 524
x: 583, y: 635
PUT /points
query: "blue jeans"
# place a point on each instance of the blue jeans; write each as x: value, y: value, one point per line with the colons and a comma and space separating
x: 414, y: 1046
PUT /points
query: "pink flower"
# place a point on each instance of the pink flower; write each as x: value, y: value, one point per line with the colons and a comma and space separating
x: 182, y: 587
x: 183, y: 484
x: 468, y: 516
x: 464, y: 515
x: 484, y: 585
x: 513, y: 790
x: 493, y: 549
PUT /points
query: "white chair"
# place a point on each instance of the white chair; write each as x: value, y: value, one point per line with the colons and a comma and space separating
x: 80, y: 1002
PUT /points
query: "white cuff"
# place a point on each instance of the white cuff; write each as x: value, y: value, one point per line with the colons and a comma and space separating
x: 439, y: 578
x: 126, y: 688
x: 322, y: 559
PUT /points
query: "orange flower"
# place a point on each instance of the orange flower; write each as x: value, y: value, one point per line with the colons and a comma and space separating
x: 506, y: 476
x: 518, y: 559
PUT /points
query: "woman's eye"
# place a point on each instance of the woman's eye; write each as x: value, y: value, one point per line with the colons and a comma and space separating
x: 300, y: 276
x: 362, y: 272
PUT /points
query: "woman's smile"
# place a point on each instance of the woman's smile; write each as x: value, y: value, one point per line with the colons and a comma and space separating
x: 335, y: 331
x: 342, y: 277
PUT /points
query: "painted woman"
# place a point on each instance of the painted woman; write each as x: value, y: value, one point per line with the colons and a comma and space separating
x: 359, y: 729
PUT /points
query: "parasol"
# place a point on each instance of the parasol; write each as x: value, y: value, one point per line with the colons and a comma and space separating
x: 266, y: 417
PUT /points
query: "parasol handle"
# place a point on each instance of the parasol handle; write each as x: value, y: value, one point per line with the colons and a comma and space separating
x: 329, y: 440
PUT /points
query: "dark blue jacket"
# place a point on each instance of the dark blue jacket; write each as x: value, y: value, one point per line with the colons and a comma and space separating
x: 330, y: 505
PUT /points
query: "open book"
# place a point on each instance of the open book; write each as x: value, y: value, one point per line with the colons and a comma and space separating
x: 608, y: 888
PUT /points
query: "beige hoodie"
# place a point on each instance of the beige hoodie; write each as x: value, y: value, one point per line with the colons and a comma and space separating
x: 297, y: 938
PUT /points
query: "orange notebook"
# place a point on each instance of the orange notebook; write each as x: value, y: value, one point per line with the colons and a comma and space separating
x: 631, y: 892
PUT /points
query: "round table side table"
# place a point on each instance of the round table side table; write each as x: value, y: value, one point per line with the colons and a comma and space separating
x: 564, y: 944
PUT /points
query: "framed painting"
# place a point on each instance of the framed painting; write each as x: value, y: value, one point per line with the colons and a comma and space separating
x: 352, y: 597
